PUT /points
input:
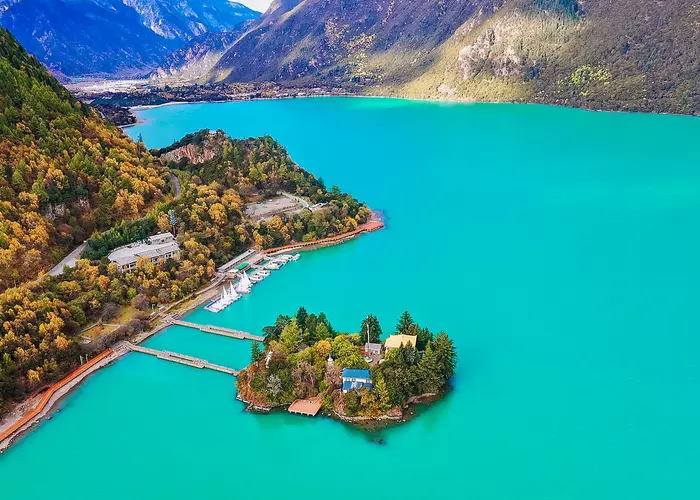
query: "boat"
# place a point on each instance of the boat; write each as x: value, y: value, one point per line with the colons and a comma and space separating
x: 295, y: 256
x: 272, y: 266
x: 226, y: 298
x: 244, y: 284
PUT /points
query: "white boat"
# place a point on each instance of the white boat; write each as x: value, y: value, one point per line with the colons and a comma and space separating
x: 264, y: 273
x: 272, y: 266
x: 296, y: 256
x: 224, y: 300
x: 244, y: 284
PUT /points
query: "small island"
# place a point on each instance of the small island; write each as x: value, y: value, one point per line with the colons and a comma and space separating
x: 309, y: 367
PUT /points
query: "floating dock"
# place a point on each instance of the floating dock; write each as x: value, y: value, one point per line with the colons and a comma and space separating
x: 183, y: 359
x: 216, y: 330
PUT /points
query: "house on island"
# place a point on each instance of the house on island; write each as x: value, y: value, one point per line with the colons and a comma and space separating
x: 158, y: 246
x: 371, y: 349
x: 396, y: 341
x: 355, y: 379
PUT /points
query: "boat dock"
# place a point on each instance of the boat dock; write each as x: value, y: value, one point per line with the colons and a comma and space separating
x: 216, y: 330
x: 182, y: 359
x: 308, y: 407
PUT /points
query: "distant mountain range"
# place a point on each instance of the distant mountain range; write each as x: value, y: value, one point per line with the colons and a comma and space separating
x: 198, y: 56
x: 641, y: 55
x: 602, y: 54
x: 114, y: 37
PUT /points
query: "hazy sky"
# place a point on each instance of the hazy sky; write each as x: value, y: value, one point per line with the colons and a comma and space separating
x: 259, y: 5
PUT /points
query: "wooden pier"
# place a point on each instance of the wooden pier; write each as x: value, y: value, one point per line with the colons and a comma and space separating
x: 183, y: 359
x: 308, y: 407
x: 216, y: 330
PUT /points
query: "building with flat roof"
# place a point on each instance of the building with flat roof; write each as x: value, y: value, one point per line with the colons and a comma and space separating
x: 396, y: 341
x: 356, y: 379
x: 158, y: 246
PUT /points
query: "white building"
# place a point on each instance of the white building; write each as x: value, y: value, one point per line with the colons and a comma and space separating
x: 158, y: 246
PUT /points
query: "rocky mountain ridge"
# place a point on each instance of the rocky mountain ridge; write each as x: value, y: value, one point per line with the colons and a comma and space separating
x: 113, y: 37
x: 637, y: 55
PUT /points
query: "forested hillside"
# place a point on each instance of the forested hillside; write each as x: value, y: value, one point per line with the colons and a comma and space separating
x: 616, y: 55
x: 65, y: 171
x: 67, y: 175
x: 224, y: 173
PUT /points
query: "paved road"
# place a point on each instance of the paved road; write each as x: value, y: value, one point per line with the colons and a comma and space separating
x: 69, y: 260
x: 303, y: 202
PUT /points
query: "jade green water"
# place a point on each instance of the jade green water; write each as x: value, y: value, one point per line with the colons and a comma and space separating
x: 558, y: 247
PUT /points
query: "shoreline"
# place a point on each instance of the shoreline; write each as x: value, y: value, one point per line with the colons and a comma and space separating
x: 399, y: 98
x: 22, y: 424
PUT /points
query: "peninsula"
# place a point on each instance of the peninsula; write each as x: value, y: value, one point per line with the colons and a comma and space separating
x: 143, y: 234
x: 309, y: 367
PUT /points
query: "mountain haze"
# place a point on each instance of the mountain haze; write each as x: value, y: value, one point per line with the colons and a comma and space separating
x: 113, y: 37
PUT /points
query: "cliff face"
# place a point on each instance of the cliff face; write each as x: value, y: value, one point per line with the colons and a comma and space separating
x: 622, y: 55
x: 197, y: 58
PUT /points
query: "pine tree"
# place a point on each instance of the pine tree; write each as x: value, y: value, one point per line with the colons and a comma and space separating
x: 256, y: 354
x: 446, y: 354
x: 375, y: 330
x: 423, y: 337
x: 405, y: 322
x: 430, y: 378
x: 291, y: 336
x: 301, y: 317
x: 382, y: 394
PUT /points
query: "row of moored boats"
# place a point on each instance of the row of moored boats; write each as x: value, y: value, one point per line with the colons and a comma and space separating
x: 231, y: 294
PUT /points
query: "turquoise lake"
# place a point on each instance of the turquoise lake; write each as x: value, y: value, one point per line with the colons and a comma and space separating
x: 558, y: 247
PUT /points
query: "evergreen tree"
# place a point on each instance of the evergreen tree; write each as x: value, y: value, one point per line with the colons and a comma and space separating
x: 375, y: 330
x: 273, y: 332
x: 424, y: 336
x: 405, y: 322
x: 302, y: 315
x: 430, y: 377
x: 321, y: 332
x: 291, y: 336
x: 409, y: 354
x: 446, y: 354
x: 256, y: 354
x: 323, y: 319
x: 382, y: 394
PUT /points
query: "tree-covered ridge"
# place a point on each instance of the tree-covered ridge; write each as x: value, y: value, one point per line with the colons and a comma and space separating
x: 65, y: 171
x: 303, y: 357
x: 247, y: 170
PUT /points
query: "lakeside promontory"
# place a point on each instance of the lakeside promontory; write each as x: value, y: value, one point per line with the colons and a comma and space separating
x: 308, y: 366
x: 76, y: 189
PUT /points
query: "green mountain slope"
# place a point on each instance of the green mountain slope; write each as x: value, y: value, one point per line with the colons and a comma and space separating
x: 622, y: 55
x: 65, y: 171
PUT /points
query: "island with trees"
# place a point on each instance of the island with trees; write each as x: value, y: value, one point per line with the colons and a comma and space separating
x: 353, y: 377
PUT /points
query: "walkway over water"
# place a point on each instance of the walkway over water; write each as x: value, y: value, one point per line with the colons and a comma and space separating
x: 367, y: 227
x: 216, y: 330
x: 183, y: 359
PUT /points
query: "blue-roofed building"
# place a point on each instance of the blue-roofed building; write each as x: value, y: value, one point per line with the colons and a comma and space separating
x: 356, y: 379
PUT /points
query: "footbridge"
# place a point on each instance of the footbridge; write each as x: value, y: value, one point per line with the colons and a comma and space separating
x: 183, y: 359
x: 216, y: 330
